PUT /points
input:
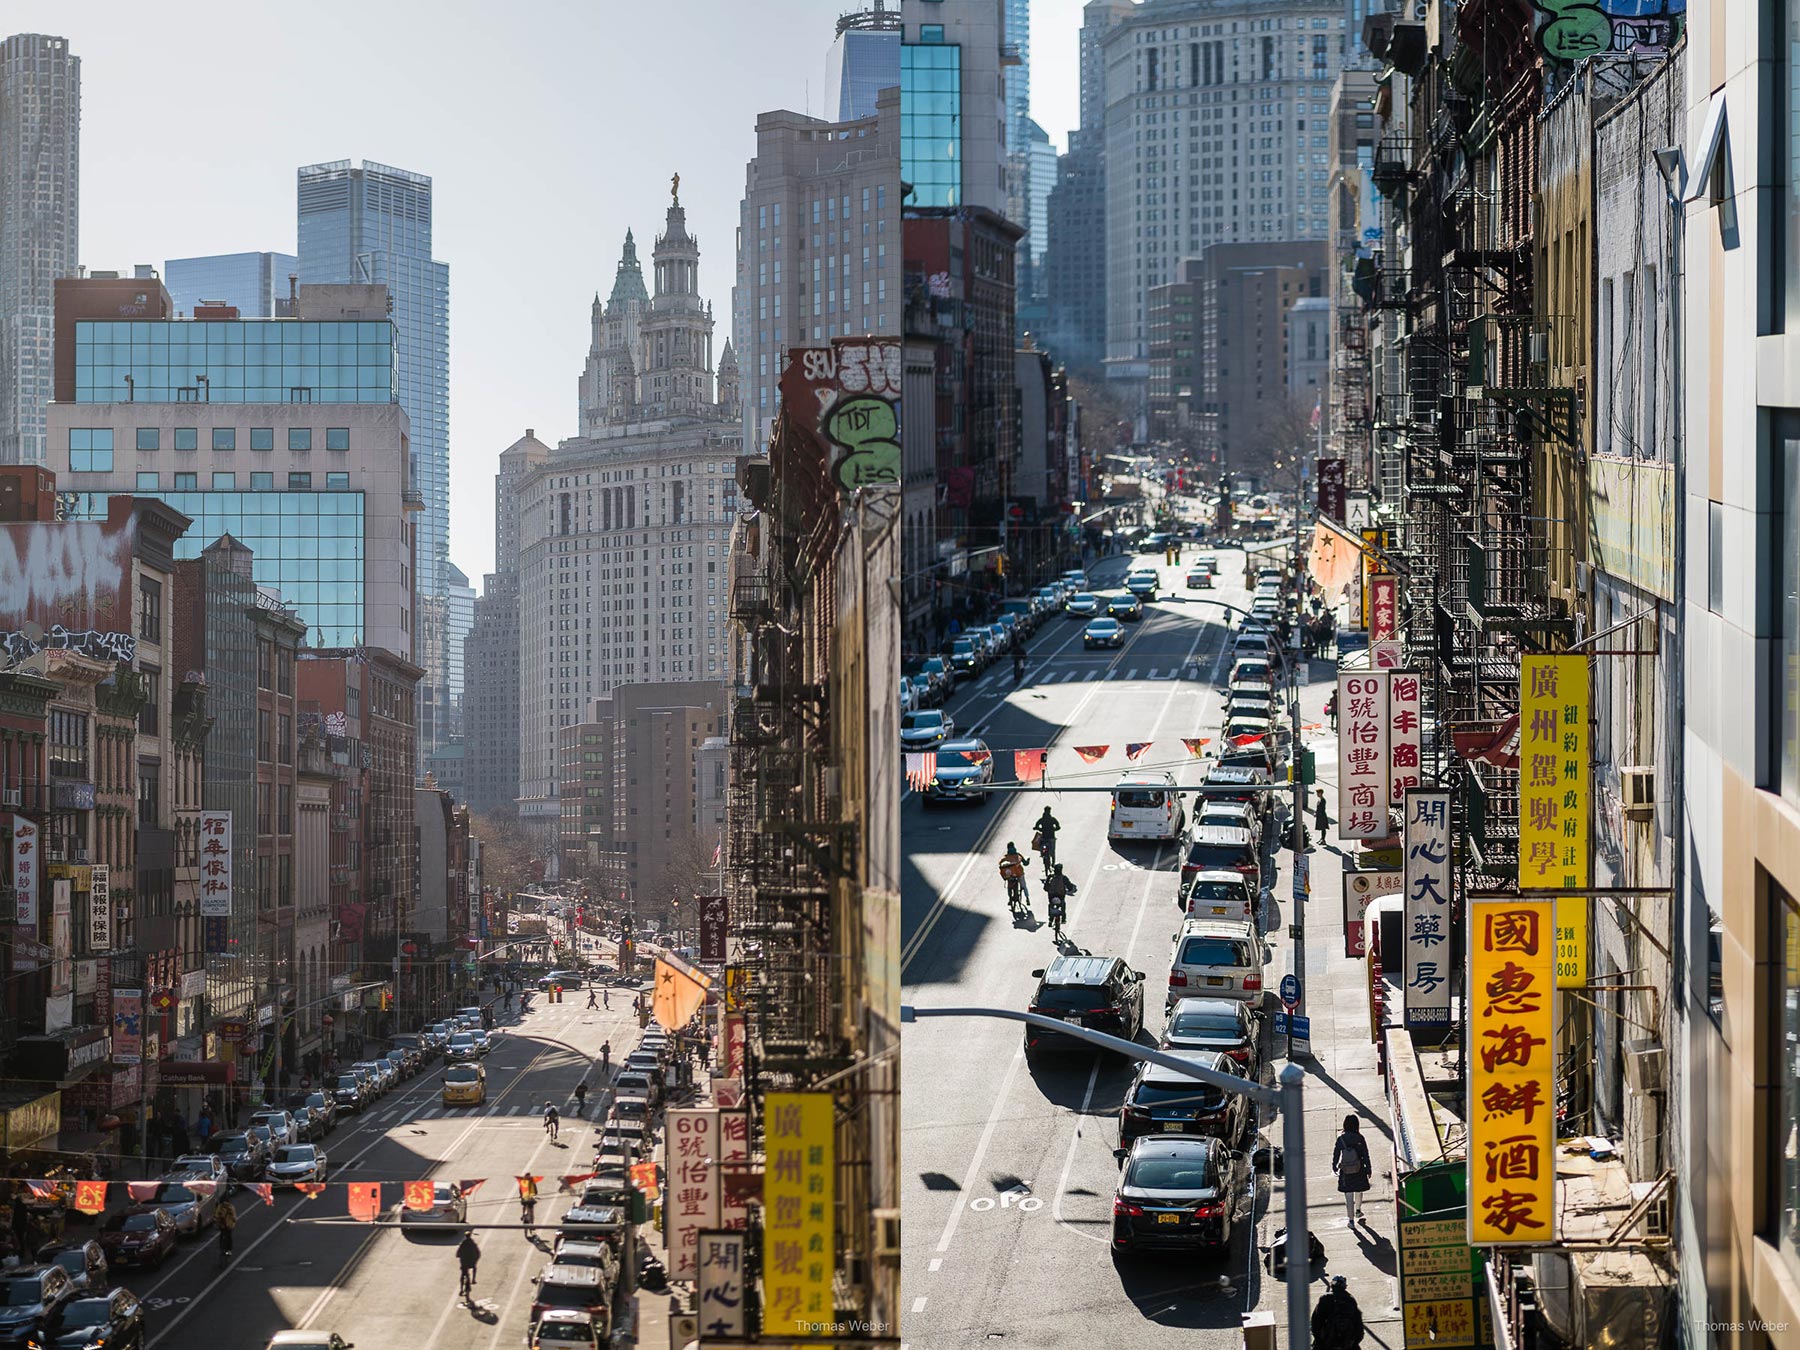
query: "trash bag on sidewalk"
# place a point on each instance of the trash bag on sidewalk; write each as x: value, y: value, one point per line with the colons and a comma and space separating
x: 1277, y: 1253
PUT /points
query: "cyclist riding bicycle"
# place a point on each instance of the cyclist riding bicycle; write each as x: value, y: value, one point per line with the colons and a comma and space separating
x: 1044, y: 837
x: 1012, y: 871
x: 551, y: 1119
x: 1059, y: 888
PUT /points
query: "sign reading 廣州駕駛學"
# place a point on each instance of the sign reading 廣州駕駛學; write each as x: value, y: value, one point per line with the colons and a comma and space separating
x: 1555, y: 798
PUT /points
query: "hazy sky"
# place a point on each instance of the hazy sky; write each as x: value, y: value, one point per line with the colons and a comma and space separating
x: 1056, y: 67
x: 548, y: 127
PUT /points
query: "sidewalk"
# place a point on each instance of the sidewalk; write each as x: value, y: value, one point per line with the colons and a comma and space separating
x: 1342, y: 1071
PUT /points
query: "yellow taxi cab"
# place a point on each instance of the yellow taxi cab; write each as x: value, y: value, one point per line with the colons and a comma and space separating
x: 465, y: 1085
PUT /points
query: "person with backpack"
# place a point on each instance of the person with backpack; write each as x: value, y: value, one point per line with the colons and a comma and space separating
x: 468, y: 1256
x: 1337, y: 1322
x: 1350, y: 1160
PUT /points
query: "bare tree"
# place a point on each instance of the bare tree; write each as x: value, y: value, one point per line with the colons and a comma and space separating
x: 507, y: 851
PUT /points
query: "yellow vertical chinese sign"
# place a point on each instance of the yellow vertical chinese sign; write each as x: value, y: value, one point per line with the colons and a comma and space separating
x: 799, y: 1217
x: 1555, y: 798
x: 1512, y: 1073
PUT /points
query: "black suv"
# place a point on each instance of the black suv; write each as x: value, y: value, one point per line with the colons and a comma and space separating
x: 31, y: 1297
x: 1098, y: 992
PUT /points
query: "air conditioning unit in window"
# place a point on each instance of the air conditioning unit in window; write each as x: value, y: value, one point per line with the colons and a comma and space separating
x: 1646, y: 1065
x: 1637, y: 789
x: 887, y: 1234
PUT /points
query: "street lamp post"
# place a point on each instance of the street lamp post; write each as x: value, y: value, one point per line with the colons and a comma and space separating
x: 1286, y: 1099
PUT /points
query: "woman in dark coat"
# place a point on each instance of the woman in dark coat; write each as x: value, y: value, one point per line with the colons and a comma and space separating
x: 1350, y: 1160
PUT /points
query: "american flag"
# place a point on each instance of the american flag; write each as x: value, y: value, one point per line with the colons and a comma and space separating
x: 919, y: 771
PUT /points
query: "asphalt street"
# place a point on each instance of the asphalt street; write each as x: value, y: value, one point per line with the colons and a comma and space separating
x: 377, y: 1285
x: 1008, y: 1168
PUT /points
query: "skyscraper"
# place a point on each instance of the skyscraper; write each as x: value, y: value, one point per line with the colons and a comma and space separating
x: 1016, y: 58
x: 952, y: 108
x: 40, y: 181
x: 254, y: 282
x: 373, y: 224
x: 864, y: 60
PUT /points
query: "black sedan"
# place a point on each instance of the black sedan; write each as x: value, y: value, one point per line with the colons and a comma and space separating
x: 245, y: 1154
x: 114, y: 1320
x: 1126, y: 606
x: 1222, y: 1024
x: 1162, y: 1101
x: 138, y: 1237
x: 1175, y: 1193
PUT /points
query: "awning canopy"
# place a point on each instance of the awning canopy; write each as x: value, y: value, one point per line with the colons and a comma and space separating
x: 188, y: 1073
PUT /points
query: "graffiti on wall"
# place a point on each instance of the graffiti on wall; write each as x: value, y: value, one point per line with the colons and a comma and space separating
x: 66, y: 586
x: 1569, y: 30
x: 855, y: 385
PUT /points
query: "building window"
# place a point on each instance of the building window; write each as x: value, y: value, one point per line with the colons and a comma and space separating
x: 931, y: 32
x: 149, y: 609
x: 337, y: 438
x: 224, y: 482
x: 146, y: 481
x: 1784, y: 1049
x: 149, y: 438
x: 262, y: 482
x: 147, y: 715
x: 187, y: 482
x: 224, y: 438
x: 149, y: 792
x: 187, y: 438
x: 337, y: 480
x: 262, y: 438
x: 286, y: 749
x: 90, y: 449
x: 299, y: 438
x: 1784, y: 445
x: 1715, y: 557
x: 300, y: 482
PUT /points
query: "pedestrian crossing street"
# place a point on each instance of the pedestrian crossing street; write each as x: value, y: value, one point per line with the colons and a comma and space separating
x: 531, y: 1111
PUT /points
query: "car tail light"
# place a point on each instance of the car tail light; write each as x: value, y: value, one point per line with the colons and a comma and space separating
x: 1104, y: 1012
x: 1241, y: 1055
x: 1124, y: 1209
x: 1208, y: 1209
x: 1252, y: 982
x: 1178, y: 977
x: 1137, y: 1113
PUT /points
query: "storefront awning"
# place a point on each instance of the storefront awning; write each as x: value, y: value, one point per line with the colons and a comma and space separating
x: 189, y: 1073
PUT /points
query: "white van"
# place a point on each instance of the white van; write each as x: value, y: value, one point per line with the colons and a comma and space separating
x: 1146, y: 806
x: 1217, y: 958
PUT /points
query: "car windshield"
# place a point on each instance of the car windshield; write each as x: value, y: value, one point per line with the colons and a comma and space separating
x: 1195, y: 1096
x: 23, y: 1293
x: 315, y: 1101
x: 463, y: 1038
x: 580, y: 1332
x: 1210, y: 856
x: 1214, y: 951
x: 1222, y: 1023
x: 1138, y: 799
x: 265, y: 1119
x: 238, y: 1144
x: 1082, y: 598
x: 347, y: 1081
x: 1170, y: 1174
x: 143, y: 1221
x: 86, y: 1312
x: 295, y: 1153
x: 175, y: 1195
x: 1072, y: 998
x: 462, y: 1073
x: 920, y: 720
x: 1102, y: 626
x: 1217, y: 890
x: 946, y: 759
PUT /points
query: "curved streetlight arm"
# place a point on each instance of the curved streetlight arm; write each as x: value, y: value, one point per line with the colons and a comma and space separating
x: 1286, y: 1098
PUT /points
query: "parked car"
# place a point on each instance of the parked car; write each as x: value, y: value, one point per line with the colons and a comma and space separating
x: 279, y: 1124
x: 942, y: 678
x: 1200, y: 578
x: 908, y: 701
x: 1082, y: 605
x: 202, y: 1167
x: 380, y: 1070
x: 84, y: 1261
x: 448, y: 1209
x: 99, y: 1317
x: 1175, y: 1192
x: 1161, y: 1100
x: 1231, y: 814
x: 1099, y: 992
x: 1223, y: 893
x: 324, y: 1110
x: 243, y: 1154
x: 31, y: 1297
x: 1104, y: 632
x: 309, y: 1340
x: 965, y: 657
x: 567, y: 1329
x: 926, y: 729
x: 295, y: 1163
x: 1216, y: 958
x: 1215, y: 848
x: 191, y: 1208
x: 964, y: 772
x: 1221, y: 1024
x: 138, y: 1237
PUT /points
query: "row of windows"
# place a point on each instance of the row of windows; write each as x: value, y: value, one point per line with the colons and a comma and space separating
x: 90, y: 445
x: 225, y: 481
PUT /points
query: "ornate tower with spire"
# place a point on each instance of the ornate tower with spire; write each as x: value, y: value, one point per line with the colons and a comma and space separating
x: 730, y: 386
x: 609, y: 395
x: 676, y: 372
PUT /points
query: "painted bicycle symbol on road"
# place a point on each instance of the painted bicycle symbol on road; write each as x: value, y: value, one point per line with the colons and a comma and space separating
x: 1019, y: 1197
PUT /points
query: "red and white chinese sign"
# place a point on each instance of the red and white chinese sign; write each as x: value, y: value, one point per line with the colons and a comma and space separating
x: 731, y: 1036
x: 1403, y: 733
x: 692, y: 1202
x: 1512, y: 1073
x: 1384, y: 590
x: 1363, y: 764
x: 734, y: 1157
x: 25, y: 839
x: 215, y: 864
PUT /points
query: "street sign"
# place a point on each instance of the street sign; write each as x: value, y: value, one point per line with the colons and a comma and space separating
x: 1290, y: 991
x: 1301, y: 1027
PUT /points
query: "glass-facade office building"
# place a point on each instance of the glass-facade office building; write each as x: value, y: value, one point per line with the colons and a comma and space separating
x: 254, y: 282
x: 284, y: 361
x: 306, y: 545
x: 863, y: 62
x: 372, y: 224
x: 931, y: 119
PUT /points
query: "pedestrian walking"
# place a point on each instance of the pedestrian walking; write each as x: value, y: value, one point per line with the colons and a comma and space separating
x: 225, y: 1219
x: 1331, y: 710
x: 1321, y: 821
x: 1350, y: 1160
x: 1337, y: 1322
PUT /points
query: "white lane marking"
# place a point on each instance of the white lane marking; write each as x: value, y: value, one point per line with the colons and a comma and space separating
x: 1062, y: 1182
x: 919, y: 1304
x: 937, y: 1263
x: 981, y: 1148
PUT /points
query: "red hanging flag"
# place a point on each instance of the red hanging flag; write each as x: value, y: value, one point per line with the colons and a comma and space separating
x: 643, y: 1176
x: 90, y: 1196
x: 419, y: 1196
x: 1248, y: 738
x: 365, y: 1200
x: 1135, y: 749
x: 264, y: 1189
x: 470, y: 1187
x: 920, y: 770
x: 1196, y: 745
x: 312, y: 1190
x: 141, y: 1192
x: 977, y: 756
x: 567, y: 1184
x: 1090, y: 753
x: 1028, y: 765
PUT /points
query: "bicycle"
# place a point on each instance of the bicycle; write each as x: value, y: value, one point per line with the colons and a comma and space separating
x: 1046, y: 846
x: 1059, y: 915
x: 1015, y: 892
